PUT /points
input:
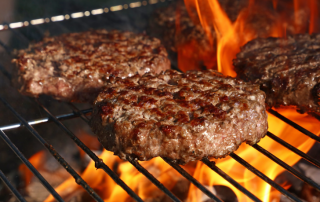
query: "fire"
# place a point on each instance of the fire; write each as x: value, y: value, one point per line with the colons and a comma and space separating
x: 230, y: 36
x: 249, y: 180
x: 36, y: 161
x: 256, y: 20
x: 109, y: 191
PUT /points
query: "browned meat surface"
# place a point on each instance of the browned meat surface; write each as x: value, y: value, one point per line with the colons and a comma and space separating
x: 181, y: 116
x: 75, y: 66
x: 288, y: 70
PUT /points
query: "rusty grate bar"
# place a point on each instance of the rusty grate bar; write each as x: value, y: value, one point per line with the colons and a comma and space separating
x: 192, y: 180
x: 264, y: 177
x: 30, y: 166
x: 56, y: 155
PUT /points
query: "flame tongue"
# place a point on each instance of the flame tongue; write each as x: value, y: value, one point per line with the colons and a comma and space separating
x: 256, y: 20
x: 230, y: 36
x: 225, y: 39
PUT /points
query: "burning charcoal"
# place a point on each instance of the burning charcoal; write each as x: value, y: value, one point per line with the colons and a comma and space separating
x: 288, y: 70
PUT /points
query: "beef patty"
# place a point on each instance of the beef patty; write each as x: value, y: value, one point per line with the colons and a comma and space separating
x: 75, y: 66
x: 181, y: 116
x: 288, y: 70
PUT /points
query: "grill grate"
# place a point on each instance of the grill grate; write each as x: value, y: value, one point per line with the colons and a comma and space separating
x: 98, y: 162
x: 11, y: 188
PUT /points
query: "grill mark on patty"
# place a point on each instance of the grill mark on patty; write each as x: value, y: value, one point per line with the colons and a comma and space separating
x: 82, y: 63
x: 288, y: 70
x: 183, y: 122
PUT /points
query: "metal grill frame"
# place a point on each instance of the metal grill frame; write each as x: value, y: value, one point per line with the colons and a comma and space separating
x: 14, y: 27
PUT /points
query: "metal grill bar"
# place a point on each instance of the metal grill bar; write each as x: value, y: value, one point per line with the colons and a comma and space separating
x: 6, y: 48
x: 142, y: 170
x: 152, y: 179
x: 30, y: 166
x: 148, y: 175
x: 287, y: 167
x: 4, y: 71
x: 76, y: 110
x: 13, y: 190
x: 98, y: 162
x: 46, y: 120
x: 295, y: 150
x: 192, y: 180
x: 22, y: 38
x: 293, y: 124
x: 56, y: 155
x: 133, y: 162
x: 264, y: 177
x: 77, y: 15
x: 213, y: 166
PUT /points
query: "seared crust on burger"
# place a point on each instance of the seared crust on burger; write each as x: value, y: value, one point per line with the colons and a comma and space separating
x: 180, y: 116
x: 75, y: 66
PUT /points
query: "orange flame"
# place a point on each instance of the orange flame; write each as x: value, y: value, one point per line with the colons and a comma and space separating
x: 110, y: 191
x: 230, y: 36
x: 36, y: 160
x: 258, y: 19
x: 259, y: 161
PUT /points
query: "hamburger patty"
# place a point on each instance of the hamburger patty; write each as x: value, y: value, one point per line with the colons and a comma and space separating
x: 288, y: 70
x: 75, y: 66
x: 181, y: 116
